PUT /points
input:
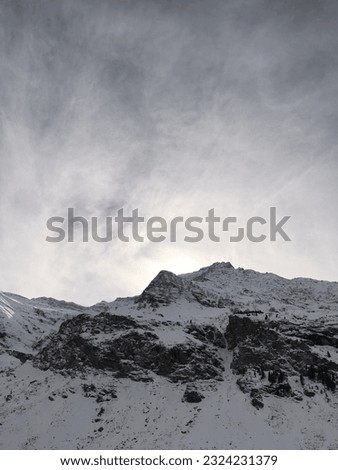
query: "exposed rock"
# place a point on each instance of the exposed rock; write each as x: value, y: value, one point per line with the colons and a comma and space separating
x: 192, y: 395
x: 208, y: 334
x: 260, y: 346
x: 257, y: 403
x: 99, y: 394
x: 23, y: 357
x: 164, y: 289
x: 128, y: 351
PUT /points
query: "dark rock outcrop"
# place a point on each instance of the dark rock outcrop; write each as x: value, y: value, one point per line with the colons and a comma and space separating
x: 126, y: 348
x: 266, y: 355
x: 192, y: 395
x: 164, y: 289
x: 207, y: 334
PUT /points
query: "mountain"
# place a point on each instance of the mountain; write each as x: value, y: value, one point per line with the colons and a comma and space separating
x: 221, y: 358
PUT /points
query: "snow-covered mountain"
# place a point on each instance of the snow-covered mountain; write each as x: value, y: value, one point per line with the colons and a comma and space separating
x: 219, y: 358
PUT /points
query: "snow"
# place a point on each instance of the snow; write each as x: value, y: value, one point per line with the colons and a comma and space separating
x: 48, y: 410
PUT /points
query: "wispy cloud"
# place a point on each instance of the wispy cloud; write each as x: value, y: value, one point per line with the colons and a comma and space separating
x: 173, y: 107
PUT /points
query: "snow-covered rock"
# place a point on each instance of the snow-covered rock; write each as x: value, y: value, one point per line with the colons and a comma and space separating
x: 218, y: 358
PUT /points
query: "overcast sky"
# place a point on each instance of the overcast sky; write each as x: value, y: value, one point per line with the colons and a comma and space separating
x: 174, y: 107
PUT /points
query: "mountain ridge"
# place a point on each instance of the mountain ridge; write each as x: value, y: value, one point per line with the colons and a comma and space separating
x: 224, y: 354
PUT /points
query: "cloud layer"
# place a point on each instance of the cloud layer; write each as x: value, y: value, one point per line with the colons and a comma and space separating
x: 173, y: 107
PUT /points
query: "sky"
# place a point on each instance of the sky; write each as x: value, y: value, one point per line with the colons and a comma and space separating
x: 173, y: 107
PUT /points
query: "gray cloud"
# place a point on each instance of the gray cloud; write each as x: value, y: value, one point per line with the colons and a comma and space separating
x: 173, y: 107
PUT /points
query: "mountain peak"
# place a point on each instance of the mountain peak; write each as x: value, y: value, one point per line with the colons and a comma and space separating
x: 165, y: 275
x: 220, y: 265
x: 162, y: 290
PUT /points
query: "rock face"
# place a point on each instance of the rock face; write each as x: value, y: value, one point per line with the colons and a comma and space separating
x: 126, y: 348
x: 266, y: 354
x: 164, y: 289
x: 192, y: 395
x: 167, y: 288
x: 207, y: 334
x: 195, y: 361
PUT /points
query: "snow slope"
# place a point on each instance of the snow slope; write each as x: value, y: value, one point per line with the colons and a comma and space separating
x: 115, y: 375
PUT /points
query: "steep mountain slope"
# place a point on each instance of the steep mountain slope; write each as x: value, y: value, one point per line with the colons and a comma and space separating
x: 219, y: 358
